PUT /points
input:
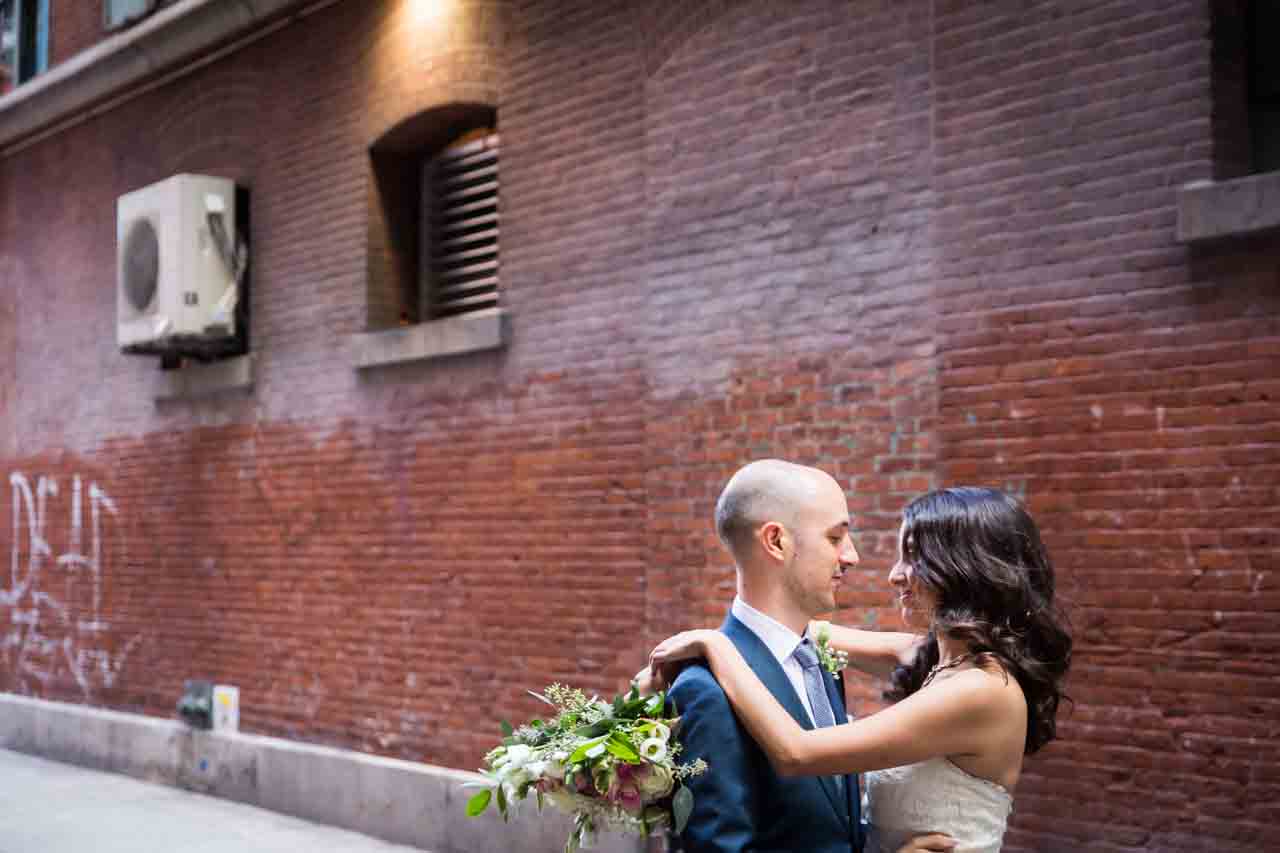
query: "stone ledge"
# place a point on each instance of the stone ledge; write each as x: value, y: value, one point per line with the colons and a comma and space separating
x: 1210, y: 210
x: 466, y: 333
x: 198, y: 380
x: 399, y: 801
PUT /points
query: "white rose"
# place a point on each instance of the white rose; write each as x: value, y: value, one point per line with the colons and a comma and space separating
x: 654, y: 749
x: 517, y: 755
x: 514, y: 779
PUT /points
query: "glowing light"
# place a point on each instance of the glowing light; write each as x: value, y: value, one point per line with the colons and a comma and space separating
x: 426, y: 12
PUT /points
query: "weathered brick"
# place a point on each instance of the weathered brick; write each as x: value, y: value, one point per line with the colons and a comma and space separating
x: 915, y: 244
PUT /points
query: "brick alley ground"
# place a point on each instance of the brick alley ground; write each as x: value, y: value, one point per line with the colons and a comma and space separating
x: 59, y: 808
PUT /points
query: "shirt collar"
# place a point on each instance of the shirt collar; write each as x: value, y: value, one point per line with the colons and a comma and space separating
x: 778, y: 638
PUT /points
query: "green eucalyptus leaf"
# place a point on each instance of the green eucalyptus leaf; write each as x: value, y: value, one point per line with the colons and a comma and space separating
x: 681, y: 808
x: 502, y: 802
x: 507, y: 731
x: 477, y: 804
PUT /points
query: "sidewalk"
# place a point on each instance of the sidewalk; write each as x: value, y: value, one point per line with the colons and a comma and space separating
x: 50, y: 807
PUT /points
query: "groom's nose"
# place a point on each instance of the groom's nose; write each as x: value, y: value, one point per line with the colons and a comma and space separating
x: 849, y: 554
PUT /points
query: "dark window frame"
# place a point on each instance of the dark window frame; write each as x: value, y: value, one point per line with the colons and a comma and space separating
x: 1262, y: 25
x: 402, y: 279
x: 30, y: 32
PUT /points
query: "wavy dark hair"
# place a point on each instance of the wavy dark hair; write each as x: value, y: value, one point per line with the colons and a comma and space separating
x: 979, y: 552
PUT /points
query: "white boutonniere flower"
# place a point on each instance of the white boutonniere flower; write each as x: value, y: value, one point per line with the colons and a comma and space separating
x: 832, y: 660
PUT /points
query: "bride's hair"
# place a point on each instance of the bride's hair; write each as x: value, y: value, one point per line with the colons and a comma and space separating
x: 978, y: 551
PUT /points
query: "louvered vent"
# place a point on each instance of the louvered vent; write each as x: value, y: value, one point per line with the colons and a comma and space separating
x: 464, y: 227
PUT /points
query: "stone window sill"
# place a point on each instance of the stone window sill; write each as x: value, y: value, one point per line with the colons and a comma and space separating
x: 198, y: 380
x: 1209, y: 210
x: 466, y: 333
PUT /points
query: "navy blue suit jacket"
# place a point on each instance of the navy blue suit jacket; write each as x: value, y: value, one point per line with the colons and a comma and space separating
x: 740, y: 804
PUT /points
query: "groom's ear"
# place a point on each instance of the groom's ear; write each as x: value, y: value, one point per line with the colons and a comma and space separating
x: 773, y: 538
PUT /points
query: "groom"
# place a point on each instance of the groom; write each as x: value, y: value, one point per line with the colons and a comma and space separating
x: 787, y: 527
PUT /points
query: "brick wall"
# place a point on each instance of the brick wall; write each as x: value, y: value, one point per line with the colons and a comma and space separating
x: 914, y: 243
x: 1126, y: 385
x: 74, y: 26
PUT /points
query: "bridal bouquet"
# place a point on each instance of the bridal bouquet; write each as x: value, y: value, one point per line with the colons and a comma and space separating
x: 612, y: 765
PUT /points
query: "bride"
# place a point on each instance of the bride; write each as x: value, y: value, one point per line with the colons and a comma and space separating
x: 976, y: 695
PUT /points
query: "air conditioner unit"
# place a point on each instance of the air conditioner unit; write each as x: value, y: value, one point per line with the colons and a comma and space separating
x: 179, y: 257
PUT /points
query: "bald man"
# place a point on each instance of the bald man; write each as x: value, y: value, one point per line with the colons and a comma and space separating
x: 787, y: 527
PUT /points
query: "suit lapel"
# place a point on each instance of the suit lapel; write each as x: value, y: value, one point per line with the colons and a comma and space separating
x: 766, y: 668
x: 769, y: 671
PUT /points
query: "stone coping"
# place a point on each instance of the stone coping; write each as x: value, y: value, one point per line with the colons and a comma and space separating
x: 465, y: 333
x: 1209, y: 210
x: 195, y: 380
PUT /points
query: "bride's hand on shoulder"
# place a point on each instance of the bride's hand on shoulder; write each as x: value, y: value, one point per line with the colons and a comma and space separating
x: 672, y: 654
x: 644, y: 682
x: 683, y: 646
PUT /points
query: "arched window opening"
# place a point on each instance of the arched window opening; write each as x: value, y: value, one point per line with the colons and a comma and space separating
x: 434, y: 232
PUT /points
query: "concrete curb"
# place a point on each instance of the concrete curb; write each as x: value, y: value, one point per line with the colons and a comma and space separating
x: 399, y: 801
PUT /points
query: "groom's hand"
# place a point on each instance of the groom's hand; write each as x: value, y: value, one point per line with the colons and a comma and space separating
x: 933, y: 843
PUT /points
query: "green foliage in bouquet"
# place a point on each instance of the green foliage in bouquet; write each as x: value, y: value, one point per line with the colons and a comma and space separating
x: 609, y: 764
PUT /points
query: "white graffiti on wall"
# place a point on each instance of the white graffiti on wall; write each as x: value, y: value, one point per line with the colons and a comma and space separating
x: 49, y: 631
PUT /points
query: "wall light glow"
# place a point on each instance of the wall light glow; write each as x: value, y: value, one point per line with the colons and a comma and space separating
x: 429, y: 12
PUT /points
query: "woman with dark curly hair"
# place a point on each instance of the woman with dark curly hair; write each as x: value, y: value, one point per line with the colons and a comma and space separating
x: 978, y: 692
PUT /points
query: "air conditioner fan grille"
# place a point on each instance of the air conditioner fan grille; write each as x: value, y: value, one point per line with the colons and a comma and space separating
x: 141, y: 264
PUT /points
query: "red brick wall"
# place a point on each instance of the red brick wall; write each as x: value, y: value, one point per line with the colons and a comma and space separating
x: 74, y: 26
x: 1127, y: 386
x: 914, y: 243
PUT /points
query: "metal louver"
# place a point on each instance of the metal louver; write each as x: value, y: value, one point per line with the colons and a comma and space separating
x: 464, y: 227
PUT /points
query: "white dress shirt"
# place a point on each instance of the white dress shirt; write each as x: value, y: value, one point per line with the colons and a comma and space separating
x: 781, y: 641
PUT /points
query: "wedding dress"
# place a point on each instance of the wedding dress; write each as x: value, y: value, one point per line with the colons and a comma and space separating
x: 934, y: 796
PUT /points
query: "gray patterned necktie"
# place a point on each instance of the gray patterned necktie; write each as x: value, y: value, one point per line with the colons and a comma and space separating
x: 814, y: 685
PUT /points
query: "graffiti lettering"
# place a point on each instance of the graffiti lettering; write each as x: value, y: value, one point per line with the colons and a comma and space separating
x: 51, y: 636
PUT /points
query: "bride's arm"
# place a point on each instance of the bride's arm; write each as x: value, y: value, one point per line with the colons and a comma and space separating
x: 958, y: 716
x: 875, y: 652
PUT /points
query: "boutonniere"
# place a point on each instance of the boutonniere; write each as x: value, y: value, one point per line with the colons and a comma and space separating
x: 832, y: 660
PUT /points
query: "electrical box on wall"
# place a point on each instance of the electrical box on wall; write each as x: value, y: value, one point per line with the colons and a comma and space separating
x: 226, y: 708
x: 196, y: 705
x: 180, y: 271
